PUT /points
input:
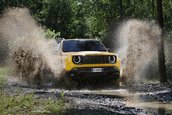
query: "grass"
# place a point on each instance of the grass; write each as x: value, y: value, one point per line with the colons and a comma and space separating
x: 3, y: 73
x: 28, y: 104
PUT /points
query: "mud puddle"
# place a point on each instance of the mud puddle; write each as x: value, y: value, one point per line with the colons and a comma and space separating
x: 135, y: 99
x: 150, y: 104
x: 112, y: 101
x: 121, y: 101
x: 158, y: 108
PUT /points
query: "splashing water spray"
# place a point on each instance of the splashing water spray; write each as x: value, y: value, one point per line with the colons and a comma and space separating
x: 31, y: 55
x: 138, y: 49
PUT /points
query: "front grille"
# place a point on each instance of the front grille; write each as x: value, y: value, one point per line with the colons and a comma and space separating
x: 95, y: 59
x: 89, y: 69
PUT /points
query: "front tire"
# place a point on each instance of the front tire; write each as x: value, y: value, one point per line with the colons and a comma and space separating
x: 115, y: 83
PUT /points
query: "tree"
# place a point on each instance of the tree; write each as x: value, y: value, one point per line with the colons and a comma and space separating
x: 58, y: 16
x: 161, y: 55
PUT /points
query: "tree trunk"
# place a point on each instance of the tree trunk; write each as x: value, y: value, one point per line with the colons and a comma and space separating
x: 161, y: 55
x: 153, y: 8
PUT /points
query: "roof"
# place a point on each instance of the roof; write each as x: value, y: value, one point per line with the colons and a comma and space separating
x: 78, y: 39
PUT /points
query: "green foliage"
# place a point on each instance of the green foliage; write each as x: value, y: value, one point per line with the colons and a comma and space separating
x: 58, y: 16
x: 52, y: 34
x: 89, y: 18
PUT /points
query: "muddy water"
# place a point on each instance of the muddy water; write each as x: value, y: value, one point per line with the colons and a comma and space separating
x: 108, y: 101
x: 153, y: 107
x: 137, y: 48
x: 149, y: 98
x: 112, y: 101
x: 31, y: 56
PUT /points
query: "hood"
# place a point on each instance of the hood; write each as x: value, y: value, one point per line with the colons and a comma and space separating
x: 83, y: 53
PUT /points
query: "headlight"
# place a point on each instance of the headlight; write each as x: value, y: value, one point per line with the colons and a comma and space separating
x: 112, y: 59
x: 76, y: 59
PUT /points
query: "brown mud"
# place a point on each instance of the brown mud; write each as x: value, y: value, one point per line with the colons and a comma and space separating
x: 137, y: 41
x: 31, y: 55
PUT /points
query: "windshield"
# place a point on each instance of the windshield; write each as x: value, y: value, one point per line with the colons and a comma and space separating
x: 82, y: 45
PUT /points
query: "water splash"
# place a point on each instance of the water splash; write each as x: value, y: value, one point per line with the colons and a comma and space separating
x: 138, y: 48
x: 30, y: 53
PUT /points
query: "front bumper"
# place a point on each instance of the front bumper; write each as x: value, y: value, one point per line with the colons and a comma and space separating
x: 90, y: 73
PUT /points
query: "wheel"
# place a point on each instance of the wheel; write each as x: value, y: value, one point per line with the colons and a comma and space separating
x: 115, y: 83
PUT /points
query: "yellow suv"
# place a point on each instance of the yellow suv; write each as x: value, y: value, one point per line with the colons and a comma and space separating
x: 88, y: 60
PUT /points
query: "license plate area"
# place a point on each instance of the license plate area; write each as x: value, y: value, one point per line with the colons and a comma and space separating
x: 97, y: 70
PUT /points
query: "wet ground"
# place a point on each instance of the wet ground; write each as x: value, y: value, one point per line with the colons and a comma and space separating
x: 140, y: 98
